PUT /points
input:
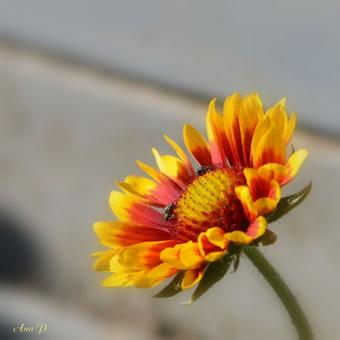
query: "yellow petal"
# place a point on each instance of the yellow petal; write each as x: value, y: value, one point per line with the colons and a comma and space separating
x: 190, y: 255
x: 214, y: 256
x: 152, y: 172
x: 138, y: 185
x: 106, y: 232
x: 239, y: 237
x: 118, y: 280
x: 278, y: 115
x: 171, y: 166
x: 290, y: 127
x: 216, y: 237
x: 294, y: 163
x: 102, y: 263
x: 117, y: 267
x: 171, y: 256
x: 154, y: 276
x: 211, y: 119
x: 181, y: 154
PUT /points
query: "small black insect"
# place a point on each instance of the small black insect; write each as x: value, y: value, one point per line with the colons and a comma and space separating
x: 204, y: 169
x: 169, y: 211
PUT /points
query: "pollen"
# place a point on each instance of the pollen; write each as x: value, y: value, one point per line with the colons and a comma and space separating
x: 209, y: 201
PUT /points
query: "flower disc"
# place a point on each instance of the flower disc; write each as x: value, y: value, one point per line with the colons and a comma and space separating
x: 209, y: 201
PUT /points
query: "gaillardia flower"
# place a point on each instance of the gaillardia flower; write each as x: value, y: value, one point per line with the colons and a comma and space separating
x: 187, y: 215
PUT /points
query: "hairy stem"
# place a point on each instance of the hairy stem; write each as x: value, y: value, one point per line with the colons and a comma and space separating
x: 281, y: 289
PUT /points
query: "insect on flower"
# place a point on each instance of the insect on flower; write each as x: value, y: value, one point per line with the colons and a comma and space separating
x: 203, y: 169
x: 179, y: 220
x: 168, y: 211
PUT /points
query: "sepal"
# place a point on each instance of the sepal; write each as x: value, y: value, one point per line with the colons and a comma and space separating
x: 288, y: 203
x: 173, y: 288
x: 215, y: 272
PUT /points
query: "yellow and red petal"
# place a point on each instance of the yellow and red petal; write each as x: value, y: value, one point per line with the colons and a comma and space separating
x: 143, y: 256
x: 192, y: 277
x: 273, y: 171
x: 265, y: 205
x: 231, y: 113
x: 261, y: 129
x: 119, y: 234
x: 269, y: 202
x: 251, y: 113
x: 171, y: 256
x: 167, y: 190
x: 270, y: 149
x: 261, y: 186
x: 274, y: 191
x: 216, y: 135
x: 279, y: 117
x: 284, y: 173
x: 247, y: 202
x: 132, y: 210
x: 197, y: 145
x: 172, y: 167
x: 258, y: 185
x: 257, y: 228
x: 141, y: 187
x: 212, y: 244
x: 147, y: 247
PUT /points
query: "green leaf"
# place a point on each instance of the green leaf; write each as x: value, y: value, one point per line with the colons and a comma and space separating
x: 237, y: 258
x: 268, y: 238
x: 214, y: 272
x: 288, y: 203
x: 173, y: 288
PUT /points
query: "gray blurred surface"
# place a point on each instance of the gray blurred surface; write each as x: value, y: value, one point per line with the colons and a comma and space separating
x: 211, y: 48
x: 67, y: 134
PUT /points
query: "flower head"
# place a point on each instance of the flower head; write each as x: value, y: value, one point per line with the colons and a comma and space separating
x: 187, y: 215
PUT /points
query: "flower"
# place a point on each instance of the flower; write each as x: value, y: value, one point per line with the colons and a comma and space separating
x: 182, y: 219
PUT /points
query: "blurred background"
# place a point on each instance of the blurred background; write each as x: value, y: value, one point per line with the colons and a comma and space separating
x: 88, y: 87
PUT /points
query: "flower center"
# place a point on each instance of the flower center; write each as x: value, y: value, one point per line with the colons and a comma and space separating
x: 209, y: 201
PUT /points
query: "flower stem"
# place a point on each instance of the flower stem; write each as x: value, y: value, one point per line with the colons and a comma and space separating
x: 281, y: 289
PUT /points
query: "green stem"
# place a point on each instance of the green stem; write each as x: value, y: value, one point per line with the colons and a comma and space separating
x: 281, y: 289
